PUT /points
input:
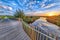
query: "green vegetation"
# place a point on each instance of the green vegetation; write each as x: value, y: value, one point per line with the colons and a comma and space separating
x: 54, y: 20
x: 3, y: 16
x: 19, y: 14
x: 28, y: 19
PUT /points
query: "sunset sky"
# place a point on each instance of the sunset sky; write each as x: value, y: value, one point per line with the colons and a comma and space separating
x: 8, y: 7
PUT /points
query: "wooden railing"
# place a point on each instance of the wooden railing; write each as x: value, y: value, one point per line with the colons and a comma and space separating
x: 35, y: 34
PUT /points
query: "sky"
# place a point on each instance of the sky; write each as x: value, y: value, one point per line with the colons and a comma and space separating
x: 8, y: 7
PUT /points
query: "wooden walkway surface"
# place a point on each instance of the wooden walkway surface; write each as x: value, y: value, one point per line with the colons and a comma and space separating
x: 12, y: 31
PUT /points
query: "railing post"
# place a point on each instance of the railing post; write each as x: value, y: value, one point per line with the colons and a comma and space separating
x: 34, y: 34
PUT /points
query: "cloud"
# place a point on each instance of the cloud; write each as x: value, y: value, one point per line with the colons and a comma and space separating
x: 25, y: 1
x: 6, y: 7
x: 10, y: 8
x: 35, y: 12
x: 13, y: 3
x: 50, y: 5
x: 32, y: 2
x: 21, y: 4
x: 42, y: 5
x: 30, y: 6
x: 1, y: 6
x: 44, y: 1
x: 1, y: 11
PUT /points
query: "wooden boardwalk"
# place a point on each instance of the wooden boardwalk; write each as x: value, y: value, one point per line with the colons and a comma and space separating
x: 12, y: 31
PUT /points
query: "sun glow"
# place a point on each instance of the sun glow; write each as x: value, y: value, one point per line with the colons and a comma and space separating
x: 52, y: 14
